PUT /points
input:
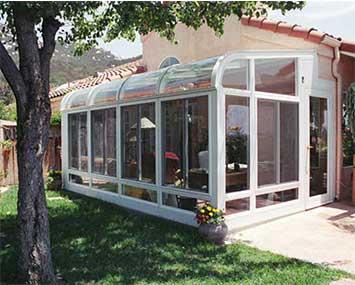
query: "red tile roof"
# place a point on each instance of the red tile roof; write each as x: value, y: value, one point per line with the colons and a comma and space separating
x: 107, y: 75
x: 309, y: 34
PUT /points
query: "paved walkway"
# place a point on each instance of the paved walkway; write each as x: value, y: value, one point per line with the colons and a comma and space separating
x: 324, y: 235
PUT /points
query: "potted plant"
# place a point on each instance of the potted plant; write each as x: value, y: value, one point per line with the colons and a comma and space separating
x: 211, y: 224
x: 54, y: 179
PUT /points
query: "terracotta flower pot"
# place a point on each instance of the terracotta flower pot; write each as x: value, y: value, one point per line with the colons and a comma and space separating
x: 213, y: 233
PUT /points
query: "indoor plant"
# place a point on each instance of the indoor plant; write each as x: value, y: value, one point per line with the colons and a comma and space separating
x: 211, y: 224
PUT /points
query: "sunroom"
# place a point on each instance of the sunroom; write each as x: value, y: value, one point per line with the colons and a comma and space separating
x: 245, y: 131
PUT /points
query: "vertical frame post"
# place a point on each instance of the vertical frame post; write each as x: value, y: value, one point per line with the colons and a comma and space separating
x: 217, y: 146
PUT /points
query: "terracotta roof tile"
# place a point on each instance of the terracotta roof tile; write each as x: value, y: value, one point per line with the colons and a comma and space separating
x: 309, y: 34
x: 116, y: 72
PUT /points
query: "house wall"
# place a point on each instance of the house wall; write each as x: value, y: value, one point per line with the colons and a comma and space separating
x: 55, y: 103
x: 195, y: 45
x: 347, y: 71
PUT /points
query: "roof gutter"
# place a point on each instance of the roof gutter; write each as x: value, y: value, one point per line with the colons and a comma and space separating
x: 335, y: 44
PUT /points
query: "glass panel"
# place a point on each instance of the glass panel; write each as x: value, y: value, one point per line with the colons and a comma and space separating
x: 79, y: 98
x: 104, y: 185
x: 236, y: 74
x: 78, y: 141
x: 129, y: 135
x: 197, y: 142
x: 319, y: 145
x: 77, y: 179
x: 173, y: 144
x: 185, y: 143
x: 188, y: 76
x: 139, y: 193
x: 277, y: 142
x: 83, y: 142
x: 106, y: 93
x: 147, y: 140
x: 182, y: 202
x: 276, y: 76
x: 269, y: 199
x: 104, y: 141
x: 237, y: 143
x: 73, y: 141
x: 237, y: 206
x: 138, y: 142
x: 141, y: 85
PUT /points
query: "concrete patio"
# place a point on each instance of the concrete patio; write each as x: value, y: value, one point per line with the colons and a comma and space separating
x: 324, y: 235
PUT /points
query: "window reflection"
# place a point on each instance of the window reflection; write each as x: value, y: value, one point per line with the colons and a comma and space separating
x: 276, y: 75
x: 237, y: 143
x: 138, y: 142
x: 236, y: 75
x: 185, y: 143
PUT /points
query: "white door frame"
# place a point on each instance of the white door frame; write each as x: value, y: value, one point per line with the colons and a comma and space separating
x: 322, y: 89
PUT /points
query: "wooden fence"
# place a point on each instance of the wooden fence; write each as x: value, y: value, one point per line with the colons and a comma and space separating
x: 8, y: 155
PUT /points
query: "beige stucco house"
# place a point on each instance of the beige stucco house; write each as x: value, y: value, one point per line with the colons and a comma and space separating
x: 250, y: 122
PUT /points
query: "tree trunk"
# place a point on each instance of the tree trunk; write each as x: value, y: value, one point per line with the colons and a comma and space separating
x: 34, y: 262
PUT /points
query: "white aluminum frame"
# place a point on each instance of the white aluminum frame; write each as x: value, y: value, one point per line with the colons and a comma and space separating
x: 217, y: 148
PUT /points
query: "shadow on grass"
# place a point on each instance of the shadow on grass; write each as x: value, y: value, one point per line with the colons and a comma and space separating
x: 93, y: 241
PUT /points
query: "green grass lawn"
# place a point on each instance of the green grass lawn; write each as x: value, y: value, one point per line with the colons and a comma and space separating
x: 96, y: 242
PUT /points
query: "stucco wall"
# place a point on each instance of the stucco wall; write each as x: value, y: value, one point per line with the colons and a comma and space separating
x: 347, y: 71
x: 195, y: 45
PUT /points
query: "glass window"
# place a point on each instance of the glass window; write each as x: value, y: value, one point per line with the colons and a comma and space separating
x: 141, y: 85
x: 168, y: 62
x: 185, y: 143
x: 236, y: 74
x: 78, y: 179
x: 103, y: 123
x: 237, y: 206
x: 276, y: 76
x: 182, y: 202
x: 188, y: 76
x: 78, y: 156
x: 274, y: 198
x: 277, y: 142
x: 237, y: 143
x: 104, y: 185
x: 138, y: 142
x: 139, y: 193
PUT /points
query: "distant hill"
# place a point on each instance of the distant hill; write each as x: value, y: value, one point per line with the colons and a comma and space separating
x: 66, y: 67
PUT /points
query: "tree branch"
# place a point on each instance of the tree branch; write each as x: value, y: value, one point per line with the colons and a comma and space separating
x: 50, y: 26
x: 12, y: 75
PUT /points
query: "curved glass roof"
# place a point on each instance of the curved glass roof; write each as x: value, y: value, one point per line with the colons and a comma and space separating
x: 106, y: 92
x: 177, y: 78
x: 141, y: 85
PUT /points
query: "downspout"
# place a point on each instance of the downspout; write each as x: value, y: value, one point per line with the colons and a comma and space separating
x: 339, y: 113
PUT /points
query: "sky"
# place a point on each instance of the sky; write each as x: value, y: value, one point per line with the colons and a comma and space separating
x: 333, y: 17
